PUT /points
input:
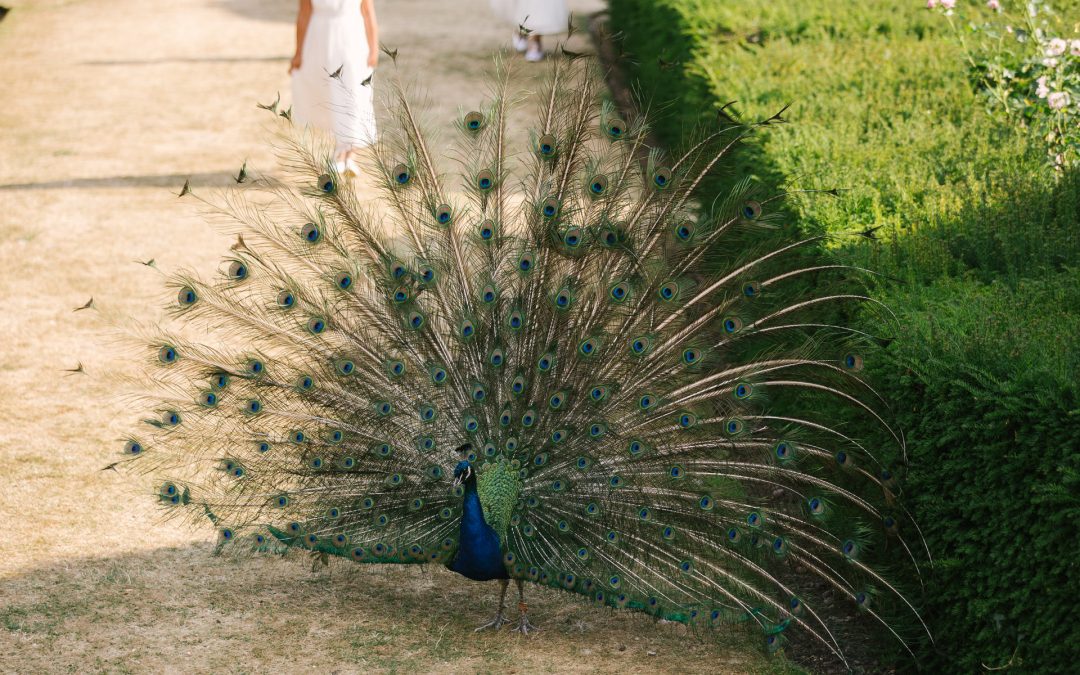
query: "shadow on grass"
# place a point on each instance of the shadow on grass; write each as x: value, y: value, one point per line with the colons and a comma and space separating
x: 187, y: 59
x: 173, y: 181
x: 143, y: 610
x: 262, y: 10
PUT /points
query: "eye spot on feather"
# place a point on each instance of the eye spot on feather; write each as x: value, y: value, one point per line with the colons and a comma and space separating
x: 661, y: 178
x: 208, y: 399
x: 546, y: 145
x: 598, y: 185
x: 619, y: 291
x: 783, y: 451
x: 815, y: 506
x: 526, y: 261
x: 237, y: 271
x: 133, y: 447
x: 669, y: 291
x: 562, y: 298
x: 345, y: 367
x: 187, y: 296
x: 732, y: 324
x: 487, y: 230
x: 549, y: 208
x: 558, y: 436
x: 588, y: 347
x: 443, y: 214
x: 402, y: 175
x: 684, y: 231
x: 616, y: 481
x: 516, y: 320
x: 316, y: 325
x: 168, y: 354
x: 469, y: 424
x: 311, y: 233
x: 573, y: 237
x: 853, y: 362
x: 743, y: 390
x: 647, y: 401
x: 285, y: 300
x: 752, y: 289
x: 706, y: 503
x: 474, y: 121
x: 751, y: 210
x: 545, y: 363
x: 615, y: 128
x: 326, y: 183
x: 485, y: 180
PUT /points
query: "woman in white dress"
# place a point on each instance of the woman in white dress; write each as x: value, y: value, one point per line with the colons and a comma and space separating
x: 538, y: 17
x: 337, y: 49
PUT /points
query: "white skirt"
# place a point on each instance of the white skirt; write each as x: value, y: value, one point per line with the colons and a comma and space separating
x: 542, y: 17
x: 335, y: 43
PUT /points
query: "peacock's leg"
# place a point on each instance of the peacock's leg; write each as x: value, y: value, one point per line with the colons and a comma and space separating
x: 523, y: 626
x: 498, y: 620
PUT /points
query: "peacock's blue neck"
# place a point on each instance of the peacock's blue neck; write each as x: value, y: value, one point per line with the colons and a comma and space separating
x: 479, y: 554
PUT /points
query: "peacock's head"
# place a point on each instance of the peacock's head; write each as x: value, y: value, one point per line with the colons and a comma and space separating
x: 463, y: 471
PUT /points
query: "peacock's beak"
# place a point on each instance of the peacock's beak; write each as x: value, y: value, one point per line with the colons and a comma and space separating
x: 462, y: 477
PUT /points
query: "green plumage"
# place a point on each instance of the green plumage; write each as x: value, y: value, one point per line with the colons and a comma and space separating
x: 610, y: 346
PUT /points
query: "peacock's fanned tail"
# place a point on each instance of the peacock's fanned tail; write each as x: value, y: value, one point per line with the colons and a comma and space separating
x: 616, y: 351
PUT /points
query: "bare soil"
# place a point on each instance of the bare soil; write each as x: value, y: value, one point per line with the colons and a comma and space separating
x: 108, y: 107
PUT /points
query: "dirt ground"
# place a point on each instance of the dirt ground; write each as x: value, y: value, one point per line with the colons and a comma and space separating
x: 108, y: 106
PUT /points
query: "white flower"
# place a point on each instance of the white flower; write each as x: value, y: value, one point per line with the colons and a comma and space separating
x: 1050, y: 63
x: 1058, y: 100
x: 930, y: 4
x: 1043, y: 90
x: 1074, y: 47
x: 1056, y: 47
x: 994, y: 5
x: 948, y: 4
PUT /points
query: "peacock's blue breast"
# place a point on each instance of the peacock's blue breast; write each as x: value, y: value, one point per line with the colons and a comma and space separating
x: 479, y: 556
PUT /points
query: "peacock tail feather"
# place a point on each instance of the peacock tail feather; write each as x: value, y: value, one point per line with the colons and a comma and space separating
x: 613, y: 348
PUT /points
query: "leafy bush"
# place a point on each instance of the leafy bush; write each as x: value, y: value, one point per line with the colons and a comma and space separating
x: 986, y: 241
x: 1019, y: 59
x: 994, y: 467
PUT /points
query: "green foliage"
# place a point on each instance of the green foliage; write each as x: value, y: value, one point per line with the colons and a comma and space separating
x: 984, y: 238
x: 881, y: 87
x: 1029, y: 70
x: 994, y: 472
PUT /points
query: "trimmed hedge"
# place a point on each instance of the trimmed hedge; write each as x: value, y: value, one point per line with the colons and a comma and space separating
x: 983, y: 379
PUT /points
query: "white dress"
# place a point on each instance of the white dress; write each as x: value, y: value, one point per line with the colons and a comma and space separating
x: 341, y: 105
x: 542, y: 17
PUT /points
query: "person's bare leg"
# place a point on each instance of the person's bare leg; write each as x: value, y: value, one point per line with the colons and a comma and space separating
x: 535, y: 49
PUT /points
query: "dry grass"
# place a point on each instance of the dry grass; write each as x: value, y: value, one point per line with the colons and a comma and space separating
x: 108, y: 106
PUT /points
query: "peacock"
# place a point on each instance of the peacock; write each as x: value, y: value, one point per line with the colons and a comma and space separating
x: 561, y: 363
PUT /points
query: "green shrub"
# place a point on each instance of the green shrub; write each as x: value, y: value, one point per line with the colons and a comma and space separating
x: 994, y: 467
x: 986, y: 243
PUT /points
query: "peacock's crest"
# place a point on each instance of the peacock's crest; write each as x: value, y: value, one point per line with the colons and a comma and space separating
x: 611, y: 347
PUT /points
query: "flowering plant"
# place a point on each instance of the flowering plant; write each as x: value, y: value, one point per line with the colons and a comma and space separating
x: 1027, y: 63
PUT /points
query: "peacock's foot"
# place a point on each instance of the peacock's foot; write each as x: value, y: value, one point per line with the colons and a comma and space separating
x: 524, y: 627
x: 494, y: 624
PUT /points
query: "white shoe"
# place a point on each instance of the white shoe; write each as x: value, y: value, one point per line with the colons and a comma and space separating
x: 519, y: 42
x: 534, y: 55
